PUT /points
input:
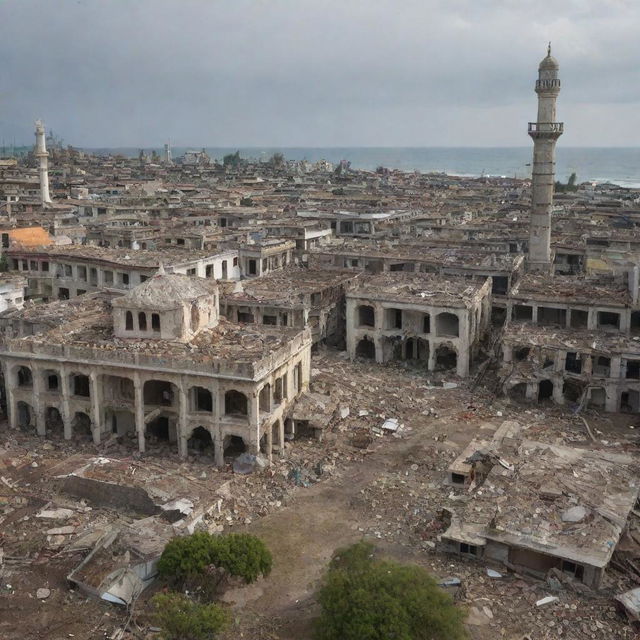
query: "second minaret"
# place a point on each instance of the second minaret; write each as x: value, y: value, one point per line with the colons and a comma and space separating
x: 545, y: 132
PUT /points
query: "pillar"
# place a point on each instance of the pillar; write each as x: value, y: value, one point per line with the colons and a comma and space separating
x: 182, y: 420
x: 41, y: 427
x: 96, y: 422
x: 66, y: 394
x: 281, y: 437
x: 139, y: 410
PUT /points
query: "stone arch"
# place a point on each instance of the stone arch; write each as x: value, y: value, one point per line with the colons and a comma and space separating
x: 81, y: 424
x: 446, y: 357
x: 236, y: 403
x: 447, y: 324
x: 80, y: 385
x: 518, y: 391
x: 366, y: 316
x: 572, y: 391
x: 25, y: 415
x: 200, y: 442
x: 366, y: 348
x: 159, y: 392
x: 53, y: 422
x: 545, y: 390
x: 233, y: 445
x: 201, y: 399
x: 24, y: 377
x: 51, y: 380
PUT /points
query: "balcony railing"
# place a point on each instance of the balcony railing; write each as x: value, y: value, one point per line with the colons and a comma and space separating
x: 546, y: 127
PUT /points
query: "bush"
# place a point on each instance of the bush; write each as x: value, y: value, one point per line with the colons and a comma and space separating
x: 182, y: 619
x: 363, y: 598
x: 239, y: 554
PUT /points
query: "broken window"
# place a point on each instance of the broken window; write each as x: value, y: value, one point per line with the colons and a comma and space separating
x: 244, y: 316
x: 572, y: 568
x: 81, y: 385
x: 457, y: 478
x: 499, y: 285
x: 522, y: 313
x: 142, y: 321
x: 394, y: 318
x: 52, y: 382
x: 549, y: 316
x: 602, y: 366
x: 633, y: 369
x: 426, y: 323
x: 521, y: 353
x: 269, y: 319
x: 155, y: 322
x: 545, y: 390
x: 235, y: 403
x: 468, y: 549
x: 253, y: 270
x: 579, y: 318
x: 128, y: 321
x: 201, y: 399
x: 447, y: 325
x: 573, y: 362
x: 264, y: 398
x: 24, y: 377
x: 366, y: 316
x: 608, y: 320
x: 366, y: 349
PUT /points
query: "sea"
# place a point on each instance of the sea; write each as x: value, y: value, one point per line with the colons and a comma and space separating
x: 618, y: 165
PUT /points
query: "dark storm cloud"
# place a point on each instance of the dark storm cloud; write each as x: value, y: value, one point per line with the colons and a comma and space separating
x: 323, y: 72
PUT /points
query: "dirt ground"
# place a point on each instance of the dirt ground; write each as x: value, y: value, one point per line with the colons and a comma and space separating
x: 390, y: 492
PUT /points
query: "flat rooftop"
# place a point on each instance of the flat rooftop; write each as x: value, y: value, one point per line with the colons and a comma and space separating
x: 148, y: 258
x: 289, y: 286
x: 524, y: 505
x: 424, y: 289
x: 87, y: 334
x: 568, y: 289
x: 570, y: 339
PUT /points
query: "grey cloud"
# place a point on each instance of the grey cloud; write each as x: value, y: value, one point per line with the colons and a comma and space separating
x: 321, y: 72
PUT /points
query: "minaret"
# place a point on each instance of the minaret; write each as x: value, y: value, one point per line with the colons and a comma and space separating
x: 545, y: 132
x: 43, y: 157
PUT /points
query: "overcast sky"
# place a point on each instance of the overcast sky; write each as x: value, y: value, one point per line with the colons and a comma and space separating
x: 316, y: 72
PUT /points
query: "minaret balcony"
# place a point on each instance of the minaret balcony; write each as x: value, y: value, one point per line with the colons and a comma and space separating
x: 546, y: 129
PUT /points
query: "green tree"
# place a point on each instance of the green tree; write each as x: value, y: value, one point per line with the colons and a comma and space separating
x: 239, y: 554
x: 180, y: 618
x: 364, y: 598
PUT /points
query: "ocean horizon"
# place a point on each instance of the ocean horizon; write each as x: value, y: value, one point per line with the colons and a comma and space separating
x: 619, y: 165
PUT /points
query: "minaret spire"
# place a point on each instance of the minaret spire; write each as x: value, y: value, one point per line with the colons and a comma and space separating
x: 545, y: 133
x: 43, y: 158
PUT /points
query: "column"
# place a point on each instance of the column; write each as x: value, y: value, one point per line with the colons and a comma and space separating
x: 182, y: 420
x: 66, y: 413
x: 139, y: 410
x: 39, y: 410
x: 96, y: 422
x: 281, y: 437
x: 270, y: 443
x: 12, y: 405
x: 253, y: 445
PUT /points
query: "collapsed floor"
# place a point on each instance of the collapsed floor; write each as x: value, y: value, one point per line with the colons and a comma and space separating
x: 361, y: 480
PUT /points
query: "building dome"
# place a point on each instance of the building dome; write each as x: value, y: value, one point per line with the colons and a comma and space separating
x: 549, y: 62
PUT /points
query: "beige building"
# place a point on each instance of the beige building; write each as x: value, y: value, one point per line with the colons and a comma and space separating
x: 431, y: 321
x: 159, y: 364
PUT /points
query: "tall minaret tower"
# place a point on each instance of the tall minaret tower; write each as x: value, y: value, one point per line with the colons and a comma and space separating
x: 43, y: 158
x: 545, y: 132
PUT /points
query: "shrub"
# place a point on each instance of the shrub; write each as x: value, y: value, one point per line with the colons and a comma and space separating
x: 182, y: 619
x: 363, y: 598
x: 239, y: 554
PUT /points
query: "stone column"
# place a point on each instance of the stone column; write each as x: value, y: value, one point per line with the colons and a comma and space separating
x: 96, y: 403
x: 253, y: 445
x: 36, y: 376
x: 66, y: 412
x: 281, y: 437
x: 139, y: 410
x: 182, y: 420
x: 12, y: 405
x: 270, y: 443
